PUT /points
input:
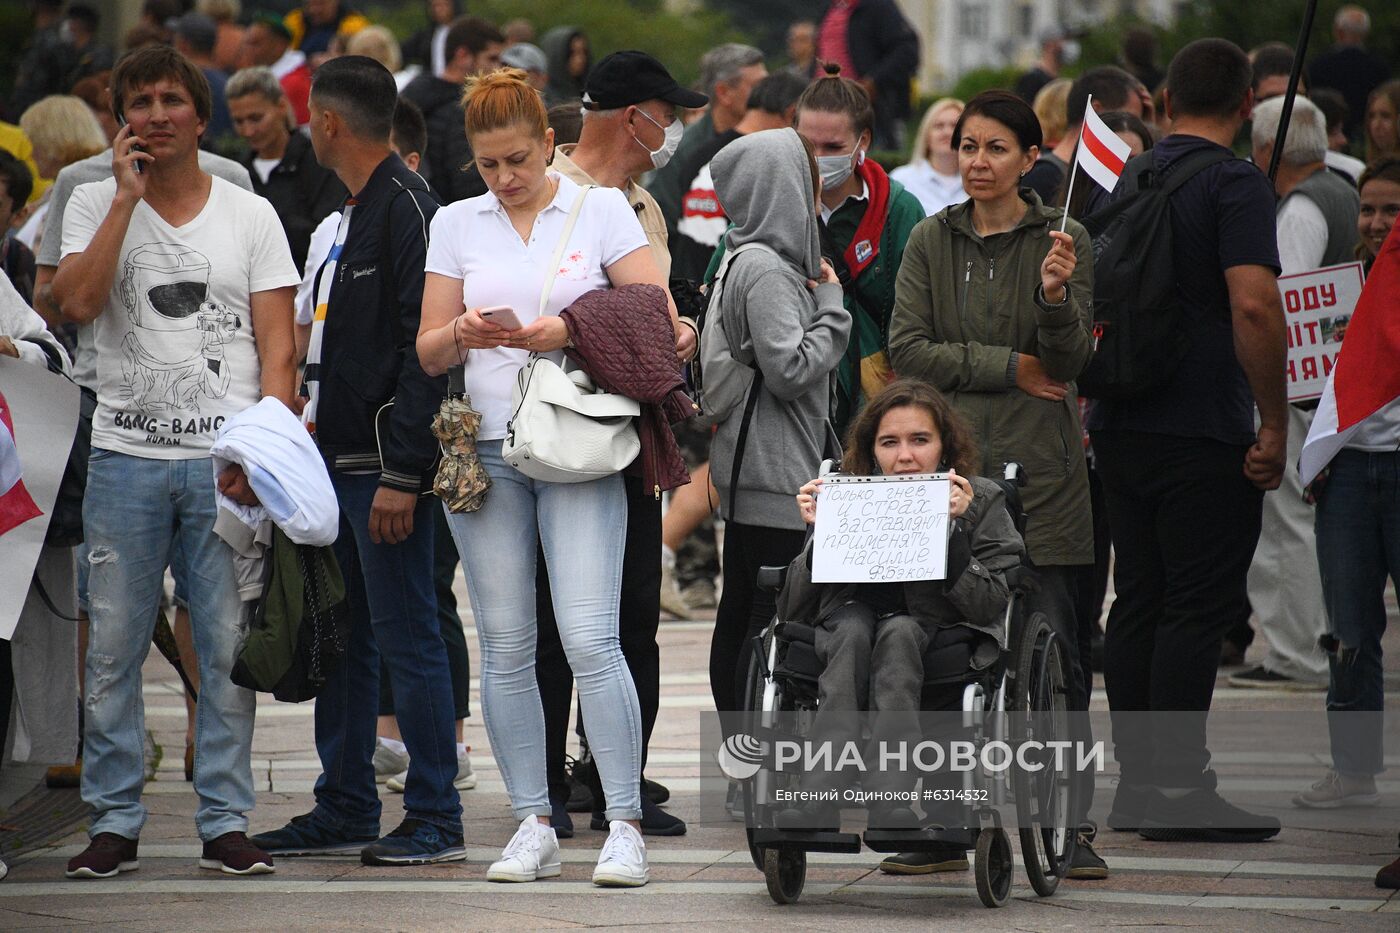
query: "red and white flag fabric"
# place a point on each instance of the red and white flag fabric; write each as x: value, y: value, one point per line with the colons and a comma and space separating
x: 1365, y: 382
x: 1102, y: 153
x: 16, y: 505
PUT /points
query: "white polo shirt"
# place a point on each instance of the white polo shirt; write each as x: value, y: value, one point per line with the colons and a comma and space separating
x: 473, y: 241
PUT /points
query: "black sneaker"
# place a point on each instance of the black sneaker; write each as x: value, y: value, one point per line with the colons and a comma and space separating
x: 1086, y: 864
x: 234, y: 854
x: 1261, y: 677
x: 946, y: 857
x: 1204, y: 816
x: 1130, y: 802
x: 659, y: 793
x: 559, y: 818
x: 415, y: 842
x: 580, y: 794
x: 304, y: 835
x: 655, y: 821
x: 820, y: 817
x: 892, y: 818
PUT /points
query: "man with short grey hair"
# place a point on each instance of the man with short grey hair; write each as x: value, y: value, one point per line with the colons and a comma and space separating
x: 727, y: 73
x: 1349, y: 68
x: 1316, y: 220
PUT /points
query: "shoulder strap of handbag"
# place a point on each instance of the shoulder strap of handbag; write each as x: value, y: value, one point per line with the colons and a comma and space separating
x: 552, y: 272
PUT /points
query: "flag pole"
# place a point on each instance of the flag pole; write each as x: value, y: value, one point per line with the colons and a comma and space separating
x: 1074, y: 168
x: 1287, y: 114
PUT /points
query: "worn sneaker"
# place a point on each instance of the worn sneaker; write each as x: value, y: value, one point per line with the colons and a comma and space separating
x: 1203, y: 816
x: 947, y: 857
x: 387, y: 762
x: 4, y: 869
x: 304, y: 835
x: 672, y: 602
x: 532, y: 853
x: 465, y: 779
x: 415, y: 842
x: 700, y: 596
x: 106, y: 855
x: 623, y: 861
x: 234, y: 854
x: 1086, y: 864
x: 1338, y: 790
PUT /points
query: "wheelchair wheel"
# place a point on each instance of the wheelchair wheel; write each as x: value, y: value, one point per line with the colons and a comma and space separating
x: 785, y: 870
x: 994, y: 867
x: 1046, y: 799
x: 753, y: 694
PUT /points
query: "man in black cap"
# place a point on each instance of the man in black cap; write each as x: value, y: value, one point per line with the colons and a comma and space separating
x: 629, y: 127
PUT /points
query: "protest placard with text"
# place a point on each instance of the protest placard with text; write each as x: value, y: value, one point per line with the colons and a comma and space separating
x: 1317, y: 306
x: 877, y: 529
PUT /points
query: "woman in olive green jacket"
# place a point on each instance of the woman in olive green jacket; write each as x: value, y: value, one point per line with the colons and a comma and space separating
x: 992, y: 308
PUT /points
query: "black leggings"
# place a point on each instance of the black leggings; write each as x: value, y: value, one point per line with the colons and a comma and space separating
x: 743, y: 610
x: 640, y: 615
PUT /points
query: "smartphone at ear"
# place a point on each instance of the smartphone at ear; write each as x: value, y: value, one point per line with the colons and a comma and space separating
x: 136, y: 166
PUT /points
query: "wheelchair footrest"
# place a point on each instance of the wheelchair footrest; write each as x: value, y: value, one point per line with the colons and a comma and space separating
x: 806, y: 841
x: 915, y: 840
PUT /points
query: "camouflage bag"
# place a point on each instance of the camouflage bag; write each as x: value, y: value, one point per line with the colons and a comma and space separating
x: 461, y: 481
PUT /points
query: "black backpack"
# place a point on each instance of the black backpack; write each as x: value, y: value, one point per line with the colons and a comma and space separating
x: 1140, y: 336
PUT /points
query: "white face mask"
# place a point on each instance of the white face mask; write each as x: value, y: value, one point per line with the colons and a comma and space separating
x: 836, y: 169
x: 669, y: 145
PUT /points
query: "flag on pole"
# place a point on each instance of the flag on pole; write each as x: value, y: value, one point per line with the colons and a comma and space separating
x: 1102, y: 152
x: 1365, y: 382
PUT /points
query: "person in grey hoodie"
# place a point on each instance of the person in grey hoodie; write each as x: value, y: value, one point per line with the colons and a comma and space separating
x: 781, y: 309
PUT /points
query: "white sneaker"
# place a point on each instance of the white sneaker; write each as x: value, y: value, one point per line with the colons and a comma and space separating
x: 387, y: 762
x: 465, y: 779
x: 623, y: 861
x: 533, y: 852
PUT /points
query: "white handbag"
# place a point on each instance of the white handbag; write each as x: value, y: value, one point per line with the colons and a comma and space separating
x: 563, y: 430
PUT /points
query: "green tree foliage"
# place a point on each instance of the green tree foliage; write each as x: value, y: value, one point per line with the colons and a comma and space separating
x: 1248, y: 26
x: 677, y: 40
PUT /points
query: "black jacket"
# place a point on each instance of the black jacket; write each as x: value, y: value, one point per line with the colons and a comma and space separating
x: 885, y: 49
x: 368, y: 348
x: 302, y: 192
x: 448, y: 150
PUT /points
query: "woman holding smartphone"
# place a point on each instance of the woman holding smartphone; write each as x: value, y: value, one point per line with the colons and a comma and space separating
x: 495, y: 252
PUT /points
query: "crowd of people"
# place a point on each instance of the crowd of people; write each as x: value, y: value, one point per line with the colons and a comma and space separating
x: 464, y: 207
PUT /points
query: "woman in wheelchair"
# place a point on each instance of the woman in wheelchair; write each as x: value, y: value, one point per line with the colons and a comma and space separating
x: 871, y: 638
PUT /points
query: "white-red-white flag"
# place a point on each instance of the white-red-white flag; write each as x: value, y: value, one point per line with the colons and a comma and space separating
x: 16, y: 505
x: 1102, y: 152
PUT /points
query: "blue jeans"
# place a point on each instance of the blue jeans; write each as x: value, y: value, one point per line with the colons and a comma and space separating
x: 582, y: 528
x: 1358, y: 546
x: 136, y: 514
x: 393, y: 612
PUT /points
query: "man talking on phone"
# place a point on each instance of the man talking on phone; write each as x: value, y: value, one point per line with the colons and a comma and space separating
x: 187, y: 281
x: 369, y: 403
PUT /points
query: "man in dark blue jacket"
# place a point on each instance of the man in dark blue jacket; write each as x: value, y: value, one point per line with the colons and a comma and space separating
x: 369, y: 403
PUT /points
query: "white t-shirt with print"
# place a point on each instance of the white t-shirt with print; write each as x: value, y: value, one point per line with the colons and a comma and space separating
x: 473, y: 241
x: 175, y: 350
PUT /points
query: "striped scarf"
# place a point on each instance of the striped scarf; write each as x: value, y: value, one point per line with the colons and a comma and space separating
x: 311, y: 378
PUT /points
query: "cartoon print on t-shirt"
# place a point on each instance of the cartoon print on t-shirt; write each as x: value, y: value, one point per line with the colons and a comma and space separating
x: 174, y: 354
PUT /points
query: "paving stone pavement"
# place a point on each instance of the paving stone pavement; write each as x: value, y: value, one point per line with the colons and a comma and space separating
x: 1303, y: 880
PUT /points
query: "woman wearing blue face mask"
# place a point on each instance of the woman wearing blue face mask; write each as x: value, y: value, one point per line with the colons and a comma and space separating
x: 866, y: 219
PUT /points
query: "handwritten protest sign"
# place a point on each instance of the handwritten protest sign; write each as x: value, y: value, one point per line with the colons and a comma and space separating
x: 877, y: 529
x: 1317, y: 307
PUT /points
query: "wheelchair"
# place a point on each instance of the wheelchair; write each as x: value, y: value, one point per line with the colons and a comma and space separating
x: 1029, y: 677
